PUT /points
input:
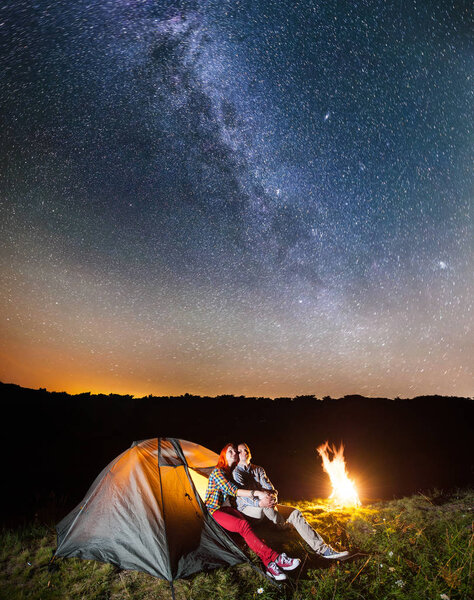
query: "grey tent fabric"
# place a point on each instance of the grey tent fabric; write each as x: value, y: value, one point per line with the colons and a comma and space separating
x: 144, y: 512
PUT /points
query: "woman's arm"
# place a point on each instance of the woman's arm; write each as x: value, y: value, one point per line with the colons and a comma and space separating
x: 266, y: 499
x: 217, y: 480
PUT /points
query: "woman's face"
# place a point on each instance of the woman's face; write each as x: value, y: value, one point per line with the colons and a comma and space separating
x: 232, y: 456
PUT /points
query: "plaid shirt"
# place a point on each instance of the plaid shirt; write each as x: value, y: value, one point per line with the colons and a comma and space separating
x: 218, y: 488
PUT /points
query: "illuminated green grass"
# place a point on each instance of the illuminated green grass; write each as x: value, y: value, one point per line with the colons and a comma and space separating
x: 415, y: 548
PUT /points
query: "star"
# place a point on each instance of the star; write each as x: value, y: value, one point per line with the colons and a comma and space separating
x: 174, y: 189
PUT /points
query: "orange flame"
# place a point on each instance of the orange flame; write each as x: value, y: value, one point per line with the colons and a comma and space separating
x: 344, y: 492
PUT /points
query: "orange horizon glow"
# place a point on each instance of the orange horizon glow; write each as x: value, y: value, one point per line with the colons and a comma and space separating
x: 79, y: 347
x: 126, y: 363
x: 65, y: 380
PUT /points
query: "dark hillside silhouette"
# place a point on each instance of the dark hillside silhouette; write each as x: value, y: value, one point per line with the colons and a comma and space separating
x: 54, y: 444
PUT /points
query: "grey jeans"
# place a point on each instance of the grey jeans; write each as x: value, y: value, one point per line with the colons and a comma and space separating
x: 281, y: 515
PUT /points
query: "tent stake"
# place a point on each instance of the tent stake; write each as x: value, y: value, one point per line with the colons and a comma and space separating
x: 172, y: 590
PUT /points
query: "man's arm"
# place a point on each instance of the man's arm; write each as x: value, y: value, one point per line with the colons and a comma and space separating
x: 262, y: 479
x: 245, y: 480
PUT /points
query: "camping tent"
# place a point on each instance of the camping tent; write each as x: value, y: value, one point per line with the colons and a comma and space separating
x: 145, y: 512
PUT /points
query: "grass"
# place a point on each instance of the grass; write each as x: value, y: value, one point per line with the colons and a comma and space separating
x: 419, y: 547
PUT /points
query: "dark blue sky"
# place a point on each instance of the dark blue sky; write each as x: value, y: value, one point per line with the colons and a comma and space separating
x: 267, y: 198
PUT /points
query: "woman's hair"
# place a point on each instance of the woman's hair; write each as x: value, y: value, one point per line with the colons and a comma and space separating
x: 222, y: 462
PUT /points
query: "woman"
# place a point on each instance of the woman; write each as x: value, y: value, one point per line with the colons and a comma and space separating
x: 219, y: 488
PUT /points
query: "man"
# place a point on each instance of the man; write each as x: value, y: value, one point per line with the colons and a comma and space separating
x: 252, y: 477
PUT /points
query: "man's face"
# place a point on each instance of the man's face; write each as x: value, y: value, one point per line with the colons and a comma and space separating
x: 244, y: 454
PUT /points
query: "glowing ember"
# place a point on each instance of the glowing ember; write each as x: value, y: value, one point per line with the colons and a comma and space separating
x: 344, y: 492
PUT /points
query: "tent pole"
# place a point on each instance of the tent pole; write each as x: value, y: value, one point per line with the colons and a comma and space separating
x: 172, y: 591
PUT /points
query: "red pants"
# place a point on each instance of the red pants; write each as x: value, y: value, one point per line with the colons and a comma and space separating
x: 233, y: 520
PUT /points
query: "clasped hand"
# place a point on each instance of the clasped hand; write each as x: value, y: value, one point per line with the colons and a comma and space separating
x: 267, y: 500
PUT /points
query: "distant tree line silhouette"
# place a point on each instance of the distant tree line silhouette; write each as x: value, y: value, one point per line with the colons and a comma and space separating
x: 54, y: 443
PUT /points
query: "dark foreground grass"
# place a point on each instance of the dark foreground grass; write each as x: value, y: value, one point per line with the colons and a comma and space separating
x: 414, y: 548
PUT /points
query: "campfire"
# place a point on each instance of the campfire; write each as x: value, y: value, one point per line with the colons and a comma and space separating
x: 344, y: 493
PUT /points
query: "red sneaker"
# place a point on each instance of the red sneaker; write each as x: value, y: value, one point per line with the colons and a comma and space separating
x: 286, y: 563
x: 274, y: 572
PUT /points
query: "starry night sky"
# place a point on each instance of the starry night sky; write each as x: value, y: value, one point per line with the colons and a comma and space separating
x: 231, y: 196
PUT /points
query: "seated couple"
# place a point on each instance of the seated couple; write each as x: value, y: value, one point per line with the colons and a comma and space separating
x: 235, y: 476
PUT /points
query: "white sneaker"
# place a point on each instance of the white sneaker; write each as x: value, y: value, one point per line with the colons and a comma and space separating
x: 274, y: 572
x: 329, y: 552
x: 286, y: 563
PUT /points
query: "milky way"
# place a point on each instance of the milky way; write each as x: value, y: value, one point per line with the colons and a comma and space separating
x: 263, y: 198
